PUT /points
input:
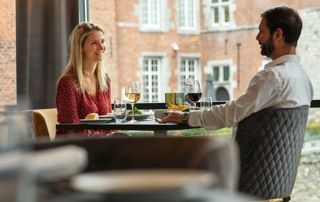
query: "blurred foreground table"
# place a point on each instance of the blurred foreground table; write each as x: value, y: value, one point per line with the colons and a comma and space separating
x: 160, y: 129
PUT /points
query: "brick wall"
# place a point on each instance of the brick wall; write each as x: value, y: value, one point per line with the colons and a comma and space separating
x: 7, y: 53
x: 130, y: 43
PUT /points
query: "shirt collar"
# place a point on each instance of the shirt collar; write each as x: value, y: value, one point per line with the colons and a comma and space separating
x: 283, y: 59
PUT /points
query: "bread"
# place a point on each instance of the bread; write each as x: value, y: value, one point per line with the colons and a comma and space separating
x: 92, y: 116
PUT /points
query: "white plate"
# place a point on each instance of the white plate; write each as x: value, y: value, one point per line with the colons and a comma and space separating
x: 142, y: 180
x: 109, y: 115
x: 96, y: 120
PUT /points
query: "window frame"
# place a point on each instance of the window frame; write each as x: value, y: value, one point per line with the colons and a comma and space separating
x: 150, y: 73
x: 83, y: 11
x: 197, y: 69
x: 220, y: 5
x: 162, y: 73
x: 162, y: 17
x: 196, y: 10
x: 230, y: 84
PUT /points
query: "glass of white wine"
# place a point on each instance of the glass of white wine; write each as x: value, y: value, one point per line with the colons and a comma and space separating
x: 132, y: 93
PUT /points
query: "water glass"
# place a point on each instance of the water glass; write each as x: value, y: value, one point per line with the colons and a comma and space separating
x: 206, y: 103
x: 120, y: 111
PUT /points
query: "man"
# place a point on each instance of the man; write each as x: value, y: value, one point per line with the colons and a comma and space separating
x: 283, y: 83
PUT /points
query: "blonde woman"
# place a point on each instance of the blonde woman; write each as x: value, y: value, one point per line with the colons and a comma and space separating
x: 84, y: 87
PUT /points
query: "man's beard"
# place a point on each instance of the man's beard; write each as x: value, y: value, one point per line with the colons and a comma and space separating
x: 267, y: 48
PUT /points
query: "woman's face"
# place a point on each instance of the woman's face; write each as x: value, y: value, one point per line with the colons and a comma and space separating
x: 93, y: 47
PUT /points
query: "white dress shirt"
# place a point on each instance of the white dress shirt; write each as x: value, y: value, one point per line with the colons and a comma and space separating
x: 283, y: 83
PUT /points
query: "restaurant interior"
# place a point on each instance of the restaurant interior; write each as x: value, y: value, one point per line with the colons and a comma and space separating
x: 265, y: 159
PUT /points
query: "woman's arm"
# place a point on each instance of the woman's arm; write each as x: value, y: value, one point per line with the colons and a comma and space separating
x: 66, y: 101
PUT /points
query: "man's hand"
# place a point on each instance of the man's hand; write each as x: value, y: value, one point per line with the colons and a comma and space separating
x: 175, y: 117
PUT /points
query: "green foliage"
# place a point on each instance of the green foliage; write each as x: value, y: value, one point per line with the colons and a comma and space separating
x: 136, y: 111
x: 313, y: 128
x: 202, y: 131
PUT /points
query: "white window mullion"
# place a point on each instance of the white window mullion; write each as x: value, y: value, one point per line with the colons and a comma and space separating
x: 149, y: 80
x: 187, y: 14
x: 188, y: 69
x: 192, y: 17
x: 151, y: 77
x: 150, y: 14
x: 220, y: 13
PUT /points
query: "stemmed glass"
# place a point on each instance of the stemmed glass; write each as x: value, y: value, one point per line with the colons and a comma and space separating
x: 194, y: 92
x: 132, y: 93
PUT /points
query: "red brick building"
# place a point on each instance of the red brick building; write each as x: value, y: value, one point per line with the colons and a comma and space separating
x: 214, y: 39
x: 7, y: 53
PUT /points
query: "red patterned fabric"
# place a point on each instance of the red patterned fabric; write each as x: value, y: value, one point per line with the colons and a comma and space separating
x: 72, y: 105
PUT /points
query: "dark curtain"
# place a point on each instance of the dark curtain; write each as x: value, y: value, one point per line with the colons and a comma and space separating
x: 43, y: 28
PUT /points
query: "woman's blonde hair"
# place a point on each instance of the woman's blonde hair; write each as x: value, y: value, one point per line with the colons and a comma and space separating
x: 77, y: 38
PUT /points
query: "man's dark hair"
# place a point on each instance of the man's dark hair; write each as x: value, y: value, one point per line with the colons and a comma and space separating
x: 287, y: 19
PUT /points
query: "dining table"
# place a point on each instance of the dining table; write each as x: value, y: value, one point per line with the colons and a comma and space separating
x: 149, y: 124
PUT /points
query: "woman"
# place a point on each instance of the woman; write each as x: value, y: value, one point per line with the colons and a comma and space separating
x: 84, y: 87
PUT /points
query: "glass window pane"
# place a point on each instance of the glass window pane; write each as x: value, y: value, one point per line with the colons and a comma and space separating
x: 144, y: 8
x: 154, y: 12
x: 191, y: 66
x: 226, y: 14
x: 181, y: 14
x: 183, y: 66
x: 190, y: 13
x: 226, y: 73
x: 145, y: 65
x: 215, y: 15
x: 216, y: 73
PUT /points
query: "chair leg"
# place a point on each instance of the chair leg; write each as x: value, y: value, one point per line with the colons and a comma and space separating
x: 286, y: 199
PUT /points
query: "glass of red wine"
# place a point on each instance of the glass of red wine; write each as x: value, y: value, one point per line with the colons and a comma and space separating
x: 194, y: 92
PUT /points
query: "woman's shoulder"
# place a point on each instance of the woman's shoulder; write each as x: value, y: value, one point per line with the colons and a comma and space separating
x: 67, y: 80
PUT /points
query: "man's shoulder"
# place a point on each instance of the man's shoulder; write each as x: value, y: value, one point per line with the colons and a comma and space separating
x: 265, y: 74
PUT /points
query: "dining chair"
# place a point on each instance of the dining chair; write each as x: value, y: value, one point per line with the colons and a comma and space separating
x: 270, y: 143
x: 44, y: 122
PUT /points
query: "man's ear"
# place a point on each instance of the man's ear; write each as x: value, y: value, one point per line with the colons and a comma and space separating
x: 278, y: 34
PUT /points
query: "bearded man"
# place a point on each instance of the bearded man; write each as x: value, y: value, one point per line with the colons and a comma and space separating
x: 283, y: 83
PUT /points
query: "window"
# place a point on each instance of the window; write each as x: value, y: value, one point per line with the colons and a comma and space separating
x: 150, y: 14
x: 220, y: 13
x: 187, y: 16
x: 216, y: 73
x: 189, y: 68
x: 151, y: 79
x: 221, y: 73
x: 221, y: 80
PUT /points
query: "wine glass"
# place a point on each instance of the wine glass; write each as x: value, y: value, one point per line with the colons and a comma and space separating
x: 194, y: 92
x: 132, y: 93
x: 206, y: 103
x: 120, y: 111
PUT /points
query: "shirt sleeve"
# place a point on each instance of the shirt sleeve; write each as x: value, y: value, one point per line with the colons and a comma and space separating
x: 263, y: 92
x: 66, y: 101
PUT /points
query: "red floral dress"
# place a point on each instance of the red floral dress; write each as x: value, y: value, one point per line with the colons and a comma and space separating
x: 72, y: 105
